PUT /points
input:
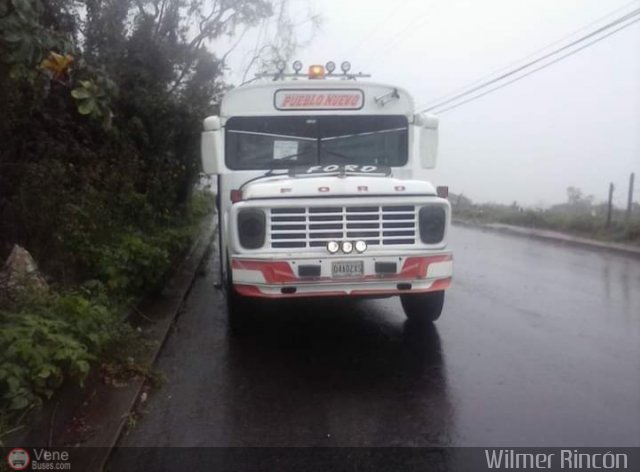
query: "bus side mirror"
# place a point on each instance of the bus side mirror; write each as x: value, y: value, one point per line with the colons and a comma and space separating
x: 427, y: 136
x: 211, y: 147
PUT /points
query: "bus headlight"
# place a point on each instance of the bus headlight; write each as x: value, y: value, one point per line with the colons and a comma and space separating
x: 432, y: 224
x: 251, y: 228
x: 347, y: 247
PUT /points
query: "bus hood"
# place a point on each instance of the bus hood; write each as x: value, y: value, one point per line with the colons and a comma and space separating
x: 334, y: 186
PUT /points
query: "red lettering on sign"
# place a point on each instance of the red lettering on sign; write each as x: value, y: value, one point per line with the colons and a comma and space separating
x: 301, y: 100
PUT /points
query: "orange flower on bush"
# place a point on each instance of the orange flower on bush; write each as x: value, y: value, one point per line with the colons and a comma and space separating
x: 57, y: 65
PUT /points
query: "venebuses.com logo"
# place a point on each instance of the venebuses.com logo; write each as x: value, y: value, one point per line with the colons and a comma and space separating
x: 18, y: 459
x: 38, y: 459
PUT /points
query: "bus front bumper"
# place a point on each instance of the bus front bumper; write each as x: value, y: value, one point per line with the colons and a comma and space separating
x: 315, y: 277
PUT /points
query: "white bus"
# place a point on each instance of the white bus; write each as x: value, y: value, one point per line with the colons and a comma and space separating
x: 317, y: 194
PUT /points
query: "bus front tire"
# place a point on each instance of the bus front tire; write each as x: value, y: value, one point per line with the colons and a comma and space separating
x: 423, y: 307
x: 239, y: 312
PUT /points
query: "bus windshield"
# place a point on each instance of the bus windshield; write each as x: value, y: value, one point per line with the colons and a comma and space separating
x: 280, y: 142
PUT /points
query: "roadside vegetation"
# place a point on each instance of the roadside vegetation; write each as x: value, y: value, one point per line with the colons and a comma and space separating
x: 102, y: 104
x: 579, y: 216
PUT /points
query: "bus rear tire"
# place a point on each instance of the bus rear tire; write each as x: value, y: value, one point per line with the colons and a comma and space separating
x: 423, y: 307
x: 239, y: 309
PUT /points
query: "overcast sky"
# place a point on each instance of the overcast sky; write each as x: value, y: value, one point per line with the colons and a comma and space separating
x: 575, y: 123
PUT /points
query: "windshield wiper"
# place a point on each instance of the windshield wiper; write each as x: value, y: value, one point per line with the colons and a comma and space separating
x: 271, y: 160
x: 364, y: 133
x: 270, y: 172
x: 337, y: 154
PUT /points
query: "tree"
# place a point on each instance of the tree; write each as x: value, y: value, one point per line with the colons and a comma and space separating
x: 577, y: 200
x: 280, y: 44
x: 102, y: 108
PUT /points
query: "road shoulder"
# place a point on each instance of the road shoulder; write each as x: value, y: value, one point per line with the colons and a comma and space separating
x: 554, y: 236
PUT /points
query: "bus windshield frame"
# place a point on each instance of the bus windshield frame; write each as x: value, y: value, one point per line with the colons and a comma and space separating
x: 283, y: 142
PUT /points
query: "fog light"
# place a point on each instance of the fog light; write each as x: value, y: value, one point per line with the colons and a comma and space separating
x: 361, y: 246
x: 333, y: 247
x: 347, y: 247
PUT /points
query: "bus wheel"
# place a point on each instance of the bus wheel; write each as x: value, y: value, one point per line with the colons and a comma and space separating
x: 238, y: 309
x: 239, y: 312
x: 423, y: 307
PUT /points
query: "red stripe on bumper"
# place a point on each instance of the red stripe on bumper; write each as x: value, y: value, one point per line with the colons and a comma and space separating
x: 417, y: 267
x: 274, y: 272
x: 280, y: 272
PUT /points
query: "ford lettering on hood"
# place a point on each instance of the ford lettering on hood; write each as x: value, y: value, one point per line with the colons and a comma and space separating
x: 329, y: 184
x: 343, y: 170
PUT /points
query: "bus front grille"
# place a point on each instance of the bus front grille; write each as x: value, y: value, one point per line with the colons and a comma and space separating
x: 313, y: 227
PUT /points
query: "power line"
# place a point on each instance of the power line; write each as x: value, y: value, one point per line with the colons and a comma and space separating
x: 398, y: 38
x: 540, y: 59
x: 475, y: 97
x: 534, y: 53
x: 535, y: 61
x: 387, y: 17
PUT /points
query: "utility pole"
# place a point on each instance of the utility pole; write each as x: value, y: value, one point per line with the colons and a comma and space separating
x: 609, y: 205
x: 630, y: 199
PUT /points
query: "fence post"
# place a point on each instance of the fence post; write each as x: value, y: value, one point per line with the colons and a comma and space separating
x: 609, y: 205
x: 630, y: 199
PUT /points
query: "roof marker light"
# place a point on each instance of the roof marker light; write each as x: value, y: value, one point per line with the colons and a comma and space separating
x: 345, y: 67
x: 330, y: 66
x: 297, y: 66
x: 281, y: 65
x: 316, y: 72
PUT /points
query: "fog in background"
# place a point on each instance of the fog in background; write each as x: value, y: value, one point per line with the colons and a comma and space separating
x: 575, y: 123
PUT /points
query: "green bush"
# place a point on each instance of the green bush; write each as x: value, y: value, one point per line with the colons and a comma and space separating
x: 47, y: 338
x: 131, y: 263
x: 134, y: 261
x: 528, y: 218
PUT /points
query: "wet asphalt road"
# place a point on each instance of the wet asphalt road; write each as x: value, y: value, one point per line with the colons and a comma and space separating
x: 538, y: 345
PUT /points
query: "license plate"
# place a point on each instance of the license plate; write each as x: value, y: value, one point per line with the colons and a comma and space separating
x: 347, y: 268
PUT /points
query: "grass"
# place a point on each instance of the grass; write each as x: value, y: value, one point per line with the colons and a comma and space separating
x: 588, y: 223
